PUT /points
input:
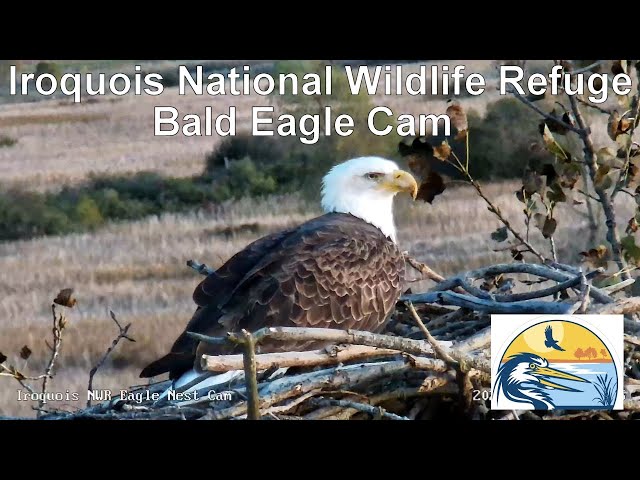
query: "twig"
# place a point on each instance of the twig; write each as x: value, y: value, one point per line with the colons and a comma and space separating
x: 426, y: 271
x: 594, y: 106
x: 545, y: 292
x: 624, y: 170
x: 452, y: 298
x: 13, y: 373
x: 552, y: 244
x: 122, y: 333
x: 376, y: 412
x: 440, y: 352
x: 225, y: 363
x: 533, y: 106
x: 58, y: 327
x: 293, y: 334
x: 423, y: 268
x: 622, y: 306
x: 250, y: 375
x: 334, y: 378
x: 477, y: 341
x: 462, y: 374
x: 633, y: 340
x: 543, y: 271
x: 588, y: 195
x: 585, y: 287
x: 292, y: 404
x: 201, y: 268
x: 505, y: 222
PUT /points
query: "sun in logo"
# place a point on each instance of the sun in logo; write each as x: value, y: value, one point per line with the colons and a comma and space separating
x: 555, y: 364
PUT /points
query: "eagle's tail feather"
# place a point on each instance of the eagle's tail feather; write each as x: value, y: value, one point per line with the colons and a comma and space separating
x: 171, y: 362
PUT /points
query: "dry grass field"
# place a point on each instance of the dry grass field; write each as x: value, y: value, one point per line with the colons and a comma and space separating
x: 137, y: 269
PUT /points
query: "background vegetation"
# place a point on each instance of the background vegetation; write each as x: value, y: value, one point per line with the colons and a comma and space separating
x: 90, y: 200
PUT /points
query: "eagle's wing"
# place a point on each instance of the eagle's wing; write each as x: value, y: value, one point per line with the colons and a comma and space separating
x: 335, y: 271
x: 548, y: 333
x: 207, y: 295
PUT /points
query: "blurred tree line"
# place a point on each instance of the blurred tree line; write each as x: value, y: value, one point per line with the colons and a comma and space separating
x: 253, y: 166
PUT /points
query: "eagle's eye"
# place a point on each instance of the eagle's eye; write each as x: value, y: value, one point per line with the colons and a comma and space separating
x: 373, y: 175
x: 533, y: 366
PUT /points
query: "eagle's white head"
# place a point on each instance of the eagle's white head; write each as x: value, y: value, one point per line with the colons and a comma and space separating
x: 365, y: 187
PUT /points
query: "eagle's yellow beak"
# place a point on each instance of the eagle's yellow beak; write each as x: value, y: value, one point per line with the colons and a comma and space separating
x: 400, y: 181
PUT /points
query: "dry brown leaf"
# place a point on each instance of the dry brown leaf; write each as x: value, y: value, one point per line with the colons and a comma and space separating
x: 442, y: 151
x: 549, y: 228
x: 458, y: 118
x: 65, y: 298
x: 421, y: 159
x: 432, y: 186
x: 596, y: 257
x: 500, y: 235
x: 632, y: 226
x: 613, y: 124
x: 25, y: 353
x: 618, y: 125
x: 553, y: 124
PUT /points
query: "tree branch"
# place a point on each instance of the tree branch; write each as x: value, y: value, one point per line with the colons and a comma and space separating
x: 603, y: 196
x: 122, y: 333
x: 533, y: 106
x: 330, y: 335
x: 265, y: 361
x: 439, y: 351
x: 375, y: 412
x: 59, y: 323
x: 250, y: 375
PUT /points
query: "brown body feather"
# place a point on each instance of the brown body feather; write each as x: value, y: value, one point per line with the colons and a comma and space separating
x: 334, y: 271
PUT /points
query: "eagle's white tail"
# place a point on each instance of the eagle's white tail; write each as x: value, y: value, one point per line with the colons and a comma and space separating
x: 193, y: 381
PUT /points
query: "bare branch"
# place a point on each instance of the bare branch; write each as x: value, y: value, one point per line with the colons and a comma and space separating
x: 496, y: 210
x: 376, y: 412
x: 593, y: 105
x: 250, y: 373
x: 440, y: 352
x: 423, y: 268
x: 328, y: 356
x: 603, y: 197
x: 59, y: 323
x: 543, y: 271
x: 622, y: 306
x: 618, y: 286
x: 452, y: 298
x: 533, y: 106
x: 545, y: 292
x: 121, y: 334
x: 293, y: 334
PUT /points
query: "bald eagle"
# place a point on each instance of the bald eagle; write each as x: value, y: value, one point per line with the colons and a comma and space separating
x: 340, y: 270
